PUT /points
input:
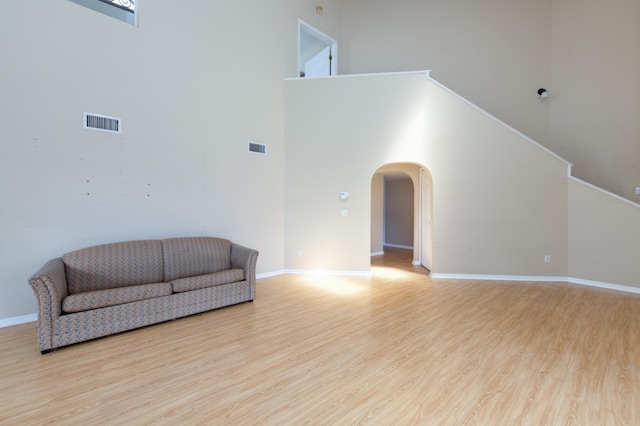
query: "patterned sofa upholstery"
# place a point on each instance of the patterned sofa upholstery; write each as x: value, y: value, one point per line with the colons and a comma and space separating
x: 110, y: 288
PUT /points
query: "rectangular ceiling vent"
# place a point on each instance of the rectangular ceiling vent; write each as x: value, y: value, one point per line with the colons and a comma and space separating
x: 258, y: 148
x: 102, y: 123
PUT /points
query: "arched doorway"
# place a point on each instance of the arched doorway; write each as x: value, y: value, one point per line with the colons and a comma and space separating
x: 401, y: 212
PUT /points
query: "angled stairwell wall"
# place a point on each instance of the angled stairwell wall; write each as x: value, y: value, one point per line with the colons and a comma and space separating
x: 501, y: 201
x: 604, y: 238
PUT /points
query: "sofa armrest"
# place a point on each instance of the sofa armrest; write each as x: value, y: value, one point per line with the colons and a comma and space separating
x: 49, y: 285
x: 245, y: 258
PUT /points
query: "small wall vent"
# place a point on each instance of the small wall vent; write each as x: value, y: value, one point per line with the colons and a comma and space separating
x: 258, y: 148
x: 102, y: 123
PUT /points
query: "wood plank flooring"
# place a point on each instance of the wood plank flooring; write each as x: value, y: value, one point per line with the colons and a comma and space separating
x: 396, y: 348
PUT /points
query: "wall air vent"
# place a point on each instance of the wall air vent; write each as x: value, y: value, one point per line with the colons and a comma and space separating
x: 258, y: 148
x: 102, y: 123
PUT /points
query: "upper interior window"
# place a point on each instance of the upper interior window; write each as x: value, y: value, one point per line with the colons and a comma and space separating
x: 124, y: 10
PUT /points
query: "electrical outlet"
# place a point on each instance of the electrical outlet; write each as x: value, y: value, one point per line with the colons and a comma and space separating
x: 637, y: 190
x: 299, y: 253
x: 547, y: 259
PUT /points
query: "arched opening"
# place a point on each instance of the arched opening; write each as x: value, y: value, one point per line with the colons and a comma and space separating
x: 401, y: 215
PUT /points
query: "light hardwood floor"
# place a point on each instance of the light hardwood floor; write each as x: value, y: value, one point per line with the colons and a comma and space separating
x: 397, y: 348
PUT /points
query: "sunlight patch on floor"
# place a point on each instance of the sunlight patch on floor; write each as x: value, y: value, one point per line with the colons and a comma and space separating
x: 343, y: 286
x: 389, y: 273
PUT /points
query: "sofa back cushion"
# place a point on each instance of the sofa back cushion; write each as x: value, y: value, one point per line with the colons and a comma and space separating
x: 114, y: 265
x: 193, y: 256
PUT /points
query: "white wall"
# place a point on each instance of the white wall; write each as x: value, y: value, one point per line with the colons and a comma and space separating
x: 604, y: 236
x: 495, y: 53
x: 500, y: 202
x: 192, y: 84
x: 595, y: 91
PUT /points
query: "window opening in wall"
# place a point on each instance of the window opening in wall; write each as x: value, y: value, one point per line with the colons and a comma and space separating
x: 123, y: 10
x: 317, y: 52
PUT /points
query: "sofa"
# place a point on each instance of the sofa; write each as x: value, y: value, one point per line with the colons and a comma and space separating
x: 110, y: 288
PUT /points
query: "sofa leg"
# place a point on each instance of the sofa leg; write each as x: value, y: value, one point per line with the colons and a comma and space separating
x: 46, y: 351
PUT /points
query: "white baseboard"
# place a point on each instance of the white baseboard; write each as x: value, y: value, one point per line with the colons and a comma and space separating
x: 580, y: 281
x: 270, y: 274
x: 608, y: 286
x: 532, y: 278
x: 7, y: 322
x: 377, y: 253
x: 398, y: 246
x: 498, y: 277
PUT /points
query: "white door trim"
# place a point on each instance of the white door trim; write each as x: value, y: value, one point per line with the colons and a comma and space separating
x: 425, y: 220
x: 322, y: 37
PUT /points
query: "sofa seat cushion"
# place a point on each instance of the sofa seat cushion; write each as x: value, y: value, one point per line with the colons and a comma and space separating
x: 208, y: 280
x: 116, y: 296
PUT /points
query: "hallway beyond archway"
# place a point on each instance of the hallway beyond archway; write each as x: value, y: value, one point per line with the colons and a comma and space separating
x: 398, y: 258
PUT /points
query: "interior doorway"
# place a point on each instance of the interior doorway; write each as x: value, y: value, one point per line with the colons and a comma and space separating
x: 317, y: 52
x: 402, y: 204
x: 399, y: 210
